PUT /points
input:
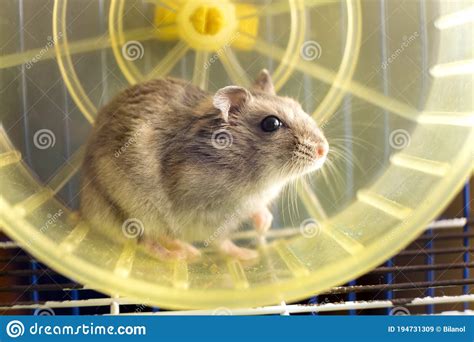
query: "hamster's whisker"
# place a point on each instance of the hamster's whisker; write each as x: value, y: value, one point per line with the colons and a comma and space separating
x: 289, y: 201
x: 309, y: 146
x: 305, y: 146
x: 282, y: 200
x: 335, y: 173
x: 292, y: 201
x: 338, y: 153
x: 295, y: 199
x: 326, y: 180
x: 335, y: 183
x: 309, y: 178
x: 289, y: 195
x: 304, y: 155
x: 341, y: 153
x: 362, y: 143
x: 305, y: 149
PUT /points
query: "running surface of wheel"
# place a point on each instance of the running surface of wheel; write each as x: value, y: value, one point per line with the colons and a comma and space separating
x: 397, y: 113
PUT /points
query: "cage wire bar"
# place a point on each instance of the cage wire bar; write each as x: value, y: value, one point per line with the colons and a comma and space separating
x: 424, y: 81
x: 385, y: 75
x: 466, y: 240
x: 24, y: 106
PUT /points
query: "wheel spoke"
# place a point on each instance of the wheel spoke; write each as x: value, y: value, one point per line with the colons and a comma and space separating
x: 67, y: 171
x: 170, y: 5
x: 79, y: 46
x: 165, y: 66
x: 310, y: 200
x: 231, y: 64
x: 280, y: 7
x: 201, y: 69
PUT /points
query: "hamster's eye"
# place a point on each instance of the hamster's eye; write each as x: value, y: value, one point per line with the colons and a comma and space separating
x: 270, y: 124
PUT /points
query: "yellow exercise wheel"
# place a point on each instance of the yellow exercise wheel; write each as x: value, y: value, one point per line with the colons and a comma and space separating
x: 389, y: 82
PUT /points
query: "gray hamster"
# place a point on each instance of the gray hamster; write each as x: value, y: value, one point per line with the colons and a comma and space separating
x: 172, y: 164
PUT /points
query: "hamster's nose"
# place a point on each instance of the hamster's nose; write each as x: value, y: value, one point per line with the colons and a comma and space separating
x: 321, y: 150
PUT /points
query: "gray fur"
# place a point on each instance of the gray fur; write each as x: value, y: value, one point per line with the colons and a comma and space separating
x: 151, y: 157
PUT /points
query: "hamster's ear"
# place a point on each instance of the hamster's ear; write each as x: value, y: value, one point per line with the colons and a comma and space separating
x: 231, y: 98
x: 264, y: 83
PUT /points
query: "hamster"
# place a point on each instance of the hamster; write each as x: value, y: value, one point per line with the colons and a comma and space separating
x: 184, y: 165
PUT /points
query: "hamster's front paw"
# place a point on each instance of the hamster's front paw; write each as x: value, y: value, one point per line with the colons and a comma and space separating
x: 229, y: 248
x: 262, y: 220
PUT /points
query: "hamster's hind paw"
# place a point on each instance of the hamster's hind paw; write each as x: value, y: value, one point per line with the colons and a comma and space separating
x: 188, y: 249
x: 157, y: 250
x: 229, y: 248
x: 171, y: 249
